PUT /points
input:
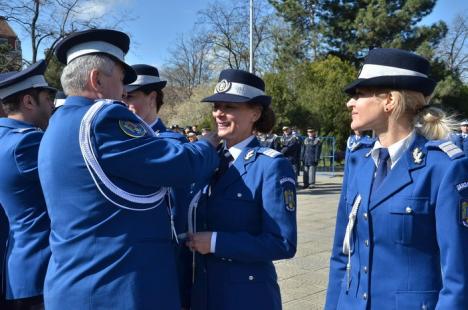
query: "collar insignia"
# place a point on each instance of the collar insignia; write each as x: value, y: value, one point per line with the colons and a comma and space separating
x: 417, y: 155
x: 249, y: 154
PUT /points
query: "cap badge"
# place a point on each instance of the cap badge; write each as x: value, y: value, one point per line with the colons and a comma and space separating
x: 417, y: 155
x: 223, y: 86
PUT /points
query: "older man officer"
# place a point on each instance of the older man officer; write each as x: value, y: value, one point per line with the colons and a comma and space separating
x: 104, y: 174
x: 26, y: 99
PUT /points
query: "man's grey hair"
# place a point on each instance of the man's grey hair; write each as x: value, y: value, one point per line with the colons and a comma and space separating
x: 75, y: 75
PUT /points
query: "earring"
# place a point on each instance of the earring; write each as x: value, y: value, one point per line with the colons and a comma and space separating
x: 385, y: 109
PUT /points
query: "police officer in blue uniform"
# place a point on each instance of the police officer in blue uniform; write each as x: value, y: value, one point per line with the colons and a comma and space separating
x: 269, y: 140
x: 291, y: 148
x: 310, y: 156
x: 355, y: 141
x: 461, y: 139
x: 246, y: 217
x: 402, y: 222
x: 145, y: 98
x: 27, y: 101
x: 105, y: 177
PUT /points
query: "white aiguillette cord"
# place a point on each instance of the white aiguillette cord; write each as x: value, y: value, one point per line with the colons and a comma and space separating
x: 348, y: 237
x: 192, y: 222
x: 96, y: 171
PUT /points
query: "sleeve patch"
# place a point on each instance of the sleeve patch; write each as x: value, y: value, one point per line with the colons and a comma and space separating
x: 464, y: 212
x: 462, y: 186
x: 134, y: 130
x: 290, y: 200
x: 287, y: 179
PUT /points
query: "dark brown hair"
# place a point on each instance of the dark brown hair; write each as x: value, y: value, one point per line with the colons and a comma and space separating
x: 159, y: 96
x: 11, y: 104
x: 267, y: 119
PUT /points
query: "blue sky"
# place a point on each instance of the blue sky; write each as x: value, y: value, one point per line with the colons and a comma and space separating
x: 158, y: 23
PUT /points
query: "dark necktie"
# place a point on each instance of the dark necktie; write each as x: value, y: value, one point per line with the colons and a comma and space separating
x: 224, y: 159
x: 381, y: 169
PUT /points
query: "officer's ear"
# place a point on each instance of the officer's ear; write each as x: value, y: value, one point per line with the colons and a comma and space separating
x: 94, y: 80
x: 257, y: 112
x: 28, y: 101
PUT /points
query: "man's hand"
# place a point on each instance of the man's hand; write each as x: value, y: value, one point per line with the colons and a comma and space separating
x: 200, y: 242
x: 213, y: 138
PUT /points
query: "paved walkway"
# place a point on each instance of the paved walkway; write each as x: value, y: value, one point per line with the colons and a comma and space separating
x: 303, y: 279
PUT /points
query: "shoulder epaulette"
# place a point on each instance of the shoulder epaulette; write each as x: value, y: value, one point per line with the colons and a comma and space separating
x: 269, y: 152
x: 362, y: 144
x: 110, y: 101
x: 26, y: 129
x: 448, y: 147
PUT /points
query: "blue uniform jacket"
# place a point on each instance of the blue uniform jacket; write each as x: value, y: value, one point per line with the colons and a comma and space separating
x: 291, y: 148
x: 27, y: 252
x: 409, y: 241
x: 311, y: 149
x: 180, y: 200
x: 105, y: 256
x: 252, y: 208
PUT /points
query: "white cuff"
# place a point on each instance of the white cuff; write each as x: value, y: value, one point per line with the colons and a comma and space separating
x: 213, y: 242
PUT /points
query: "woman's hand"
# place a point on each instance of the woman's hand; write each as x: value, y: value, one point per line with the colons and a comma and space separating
x: 200, y: 242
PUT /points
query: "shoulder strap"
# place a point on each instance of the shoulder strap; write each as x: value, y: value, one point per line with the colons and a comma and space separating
x: 448, y: 147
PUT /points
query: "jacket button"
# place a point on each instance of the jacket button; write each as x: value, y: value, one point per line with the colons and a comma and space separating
x: 364, y: 296
x: 365, y: 269
x: 366, y: 242
x: 239, y: 195
x: 251, y: 278
x: 365, y: 216
x: 408, y: 210
x: 229, y: 260
x: 424, y: 307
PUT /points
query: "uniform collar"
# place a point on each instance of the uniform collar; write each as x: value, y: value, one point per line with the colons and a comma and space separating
x: 396, y: 150
x: 13, y: 123
x: 78, y: 100
x: 237, y: 149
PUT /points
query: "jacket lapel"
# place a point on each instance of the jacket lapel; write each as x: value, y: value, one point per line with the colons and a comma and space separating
x: 365, y: 177
x: 400, y: 175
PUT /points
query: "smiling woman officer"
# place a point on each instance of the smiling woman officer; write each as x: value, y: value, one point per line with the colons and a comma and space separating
x: 402, y: 224
x: 246, y: 217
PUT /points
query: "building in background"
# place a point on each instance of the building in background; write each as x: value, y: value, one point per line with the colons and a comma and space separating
x: 10, y: 48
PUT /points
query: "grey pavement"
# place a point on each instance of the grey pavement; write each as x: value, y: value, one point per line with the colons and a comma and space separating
x: 303, y: 279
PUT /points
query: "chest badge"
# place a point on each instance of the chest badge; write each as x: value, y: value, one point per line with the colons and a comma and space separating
x: 249, y: 154
x: 134, y: 130
x: 418, y: 155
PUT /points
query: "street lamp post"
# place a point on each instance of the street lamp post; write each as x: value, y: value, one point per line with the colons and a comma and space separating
x: 251, y: 37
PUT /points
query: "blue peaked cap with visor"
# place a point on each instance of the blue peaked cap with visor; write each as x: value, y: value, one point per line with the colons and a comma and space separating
x: 238, y: 86
x: 394, y: 69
